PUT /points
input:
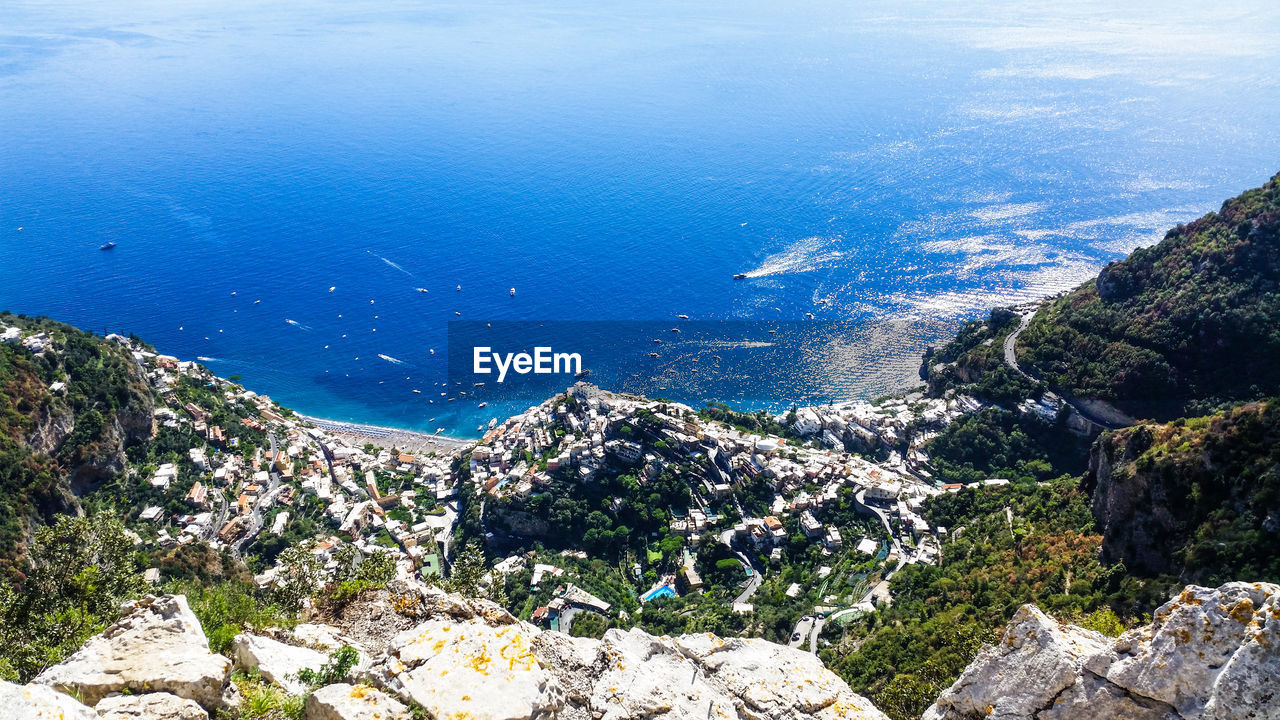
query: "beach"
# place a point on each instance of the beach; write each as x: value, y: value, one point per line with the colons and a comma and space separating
x: 410, y: 441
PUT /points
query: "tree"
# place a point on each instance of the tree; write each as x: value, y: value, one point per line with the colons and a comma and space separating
x: 80, y: 571
x: 300, y: 576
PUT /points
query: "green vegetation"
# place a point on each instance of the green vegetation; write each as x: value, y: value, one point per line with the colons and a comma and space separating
x: 974, y: 361
x: 50, y: 439
x: 998, y: 443
x: 1043, y: 550
x: 335, y: 670
x: 588, y: 624
x: 1198, y: 498
x: 1178, y: 328
x: 77, y: 574
x: 229, y: 608
x: 262, y: 700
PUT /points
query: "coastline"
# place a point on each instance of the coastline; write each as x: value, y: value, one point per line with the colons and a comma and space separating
x: 414, y: 441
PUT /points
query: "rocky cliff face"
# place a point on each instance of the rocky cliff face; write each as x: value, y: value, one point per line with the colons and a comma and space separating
x: 1197, y: 498
x: 1209, y: 654
x: 455, y: 657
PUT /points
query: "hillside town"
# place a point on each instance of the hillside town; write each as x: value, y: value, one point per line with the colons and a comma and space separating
x: 259, y: 476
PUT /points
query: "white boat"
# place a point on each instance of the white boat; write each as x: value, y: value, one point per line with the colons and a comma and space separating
x: 422, y: 290
x: 332, y: 288
x: 513, y: 292
x: 683, y: 317
x: 483, y: 404
x: 493, y: 422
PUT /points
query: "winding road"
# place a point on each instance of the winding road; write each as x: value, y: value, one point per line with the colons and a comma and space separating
x: 1011, y: 359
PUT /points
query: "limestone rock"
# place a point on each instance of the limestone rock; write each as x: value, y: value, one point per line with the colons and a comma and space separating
x: 275, y: 661
x: 354, y: 702
x: 158, y: 646
x: 151, y: 706
x: 1210, y: 654
x: 40, y: 702
x: 471, y: 669
x: 773, y: 681
x: 1035, y: 660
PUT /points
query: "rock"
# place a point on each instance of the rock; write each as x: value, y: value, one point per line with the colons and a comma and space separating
x: 354, y: 702
x: 38, y: 702
x: 1211, y: 654
x: 471, y: 669
x: 158, y: 646
x: 700, y: 676
x: 472, y: 659
x: 774, y: 681
x: 1035, y: 660
x: 275, y: 661
x: 151, y: 706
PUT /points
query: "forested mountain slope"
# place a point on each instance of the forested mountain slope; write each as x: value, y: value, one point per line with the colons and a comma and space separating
x: 1175, y: 329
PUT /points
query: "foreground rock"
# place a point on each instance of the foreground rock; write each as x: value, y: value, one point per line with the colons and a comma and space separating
x: 37, y: 702
x: 354, y: 702
x: 1210, y: 653
x: 472, y: 659
x: 158, y: 646
x: 151, y: 706
x: 275, y: 661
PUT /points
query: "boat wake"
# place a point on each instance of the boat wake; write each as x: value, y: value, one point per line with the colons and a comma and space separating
x: 297, y: 324
x: 807, y: 255
x: 406, y: 272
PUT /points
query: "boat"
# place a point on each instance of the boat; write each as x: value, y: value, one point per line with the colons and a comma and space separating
x: 332, y: 288
x: 654, y: 355
x: 417, y: 392
x: 483, y: 404
x: 459, y: 288
x: 582, y: 374
x: 513, y: 292
x: 422, y: 290
x: 492, y: 422
x: 657, y: 341
x: 107, y: 246
x: 683, y: 317
x: 675, y: 330
x: 479, y: 384
x: 740, y: 276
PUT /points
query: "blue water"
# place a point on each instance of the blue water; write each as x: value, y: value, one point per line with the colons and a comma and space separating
x: 901, y: 165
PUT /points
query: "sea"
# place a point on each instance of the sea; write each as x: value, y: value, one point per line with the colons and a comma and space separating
x: 306, y: 195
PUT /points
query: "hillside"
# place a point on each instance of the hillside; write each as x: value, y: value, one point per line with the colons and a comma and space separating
x: 1198, y: 498
x: 1175, y: 329
x: 71, y: 405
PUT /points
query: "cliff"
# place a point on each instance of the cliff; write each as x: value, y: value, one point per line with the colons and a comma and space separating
x: 71, y: 404
x: 1209, y: 654
x: 454, y: 657
x: 1197, y: 498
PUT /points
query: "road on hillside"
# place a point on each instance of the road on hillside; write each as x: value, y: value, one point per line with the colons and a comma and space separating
x: 754, y: 578
x: 264, y: 500
x: 1011, y: 359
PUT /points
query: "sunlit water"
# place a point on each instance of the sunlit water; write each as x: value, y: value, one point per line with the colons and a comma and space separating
x: 903, y: 166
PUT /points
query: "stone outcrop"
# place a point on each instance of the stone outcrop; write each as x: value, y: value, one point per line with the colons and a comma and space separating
x: 158, y: 646
x: 40, y: 702
x: 275, y: 661
x: 472, y: 659
x: 354, y: 702
x: 151, y: 706
x: 1211, y: 654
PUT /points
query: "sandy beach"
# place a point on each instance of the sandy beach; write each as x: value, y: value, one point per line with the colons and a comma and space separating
x: 407, y: 440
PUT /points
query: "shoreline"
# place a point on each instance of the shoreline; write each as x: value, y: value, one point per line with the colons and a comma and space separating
x: 386, y: 436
